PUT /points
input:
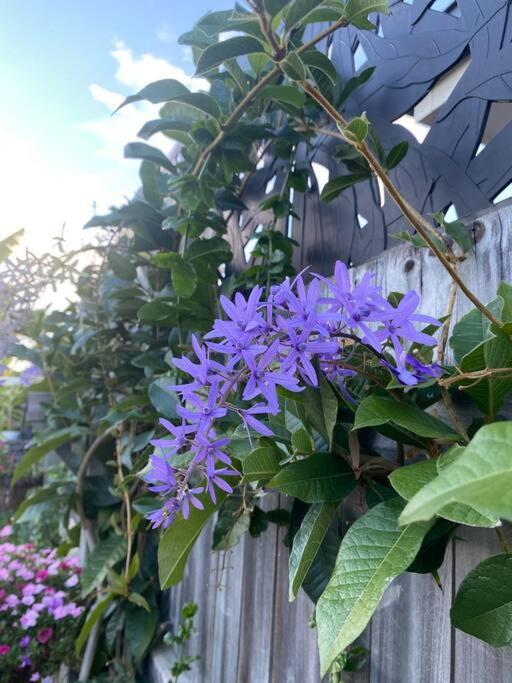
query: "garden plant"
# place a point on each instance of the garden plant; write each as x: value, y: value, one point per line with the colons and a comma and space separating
x: 181, y: 387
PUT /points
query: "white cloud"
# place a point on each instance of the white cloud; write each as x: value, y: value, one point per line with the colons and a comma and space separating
x: 166, y: 34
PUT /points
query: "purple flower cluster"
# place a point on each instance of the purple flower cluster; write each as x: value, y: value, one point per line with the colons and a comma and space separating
x: 38, y: 608
x: 262, y: 346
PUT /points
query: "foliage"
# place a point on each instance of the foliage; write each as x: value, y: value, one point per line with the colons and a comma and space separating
x: 263, y: 381
x: 180, y: 639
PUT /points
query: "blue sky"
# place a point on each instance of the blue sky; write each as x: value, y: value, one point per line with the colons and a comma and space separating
x: 65, y: 65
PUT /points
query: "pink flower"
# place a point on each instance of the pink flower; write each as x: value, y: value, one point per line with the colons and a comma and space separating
x: 72, y: 581
x: 6, y: 531
x: 44, y: 635
x: 4, y: 650
x: 41, y: 575
x: 29, y: 618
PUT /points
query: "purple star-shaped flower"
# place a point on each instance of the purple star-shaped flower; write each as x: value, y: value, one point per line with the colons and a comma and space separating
x: 263, y: 380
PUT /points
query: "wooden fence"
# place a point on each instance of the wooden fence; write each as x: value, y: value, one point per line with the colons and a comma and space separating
x: 248, y: 632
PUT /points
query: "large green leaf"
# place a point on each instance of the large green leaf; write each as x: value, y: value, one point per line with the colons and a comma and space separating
x: 184, y: 277
x: 360, y: 9
x: 321, y: 407
x: 407, y: 481
x: 473, y: 329
x: 164, y: 401
x: 93, y: 617
x: 178, y: 540
x: 262, y: 464
x: 104, y: 556
x: 43, y: 446
x: 307, y: 542
x: 140, y: 150
x: 336, y: 186
x: 297, y: 10
x: 378, y: 410
x: 140, y: 626
x: 216, y: 54
x: 490, y: 392
x: 288, y: 94
x: 483, y: 604
x: 159, y: 91
x: 172, y: 128
x: 373, y: 552
x: 480, y: 477
x: 320, y: 478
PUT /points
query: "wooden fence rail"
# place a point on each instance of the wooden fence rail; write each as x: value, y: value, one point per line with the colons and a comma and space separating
x: 247, y: 632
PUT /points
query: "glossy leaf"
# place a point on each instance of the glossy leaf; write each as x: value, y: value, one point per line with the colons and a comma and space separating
x: 103, y: 557
x: 44, y: 445
x: 297, y: 10
x: 373, y: 552
x: 360, y: 9
x: 178, y: 540
x: 262, y: 464
x: 407, y: 481
x: 480, y: 477
x: 232, y: 523
x: 336, y: 186
x: 321, y: 407
x: 160, y: 91
x: 93, y: 617
x: 396, y: 155
x: 163, y: 400
x: 140, y: 150
x: 288, y: 94
x: 217, y: 53
x: 377, y: 410
x: 320, y: 478
x: 307, y: 542
x: 483, y: 604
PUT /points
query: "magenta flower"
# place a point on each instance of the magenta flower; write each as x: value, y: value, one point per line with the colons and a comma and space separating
x: 4, y: 649
x: 44, y: 635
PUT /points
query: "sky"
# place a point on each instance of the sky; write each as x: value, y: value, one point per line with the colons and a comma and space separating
x: 64, y: 66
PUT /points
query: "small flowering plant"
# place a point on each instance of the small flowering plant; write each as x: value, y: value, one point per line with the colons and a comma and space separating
x: 39, y: 611
x: 266, y: 348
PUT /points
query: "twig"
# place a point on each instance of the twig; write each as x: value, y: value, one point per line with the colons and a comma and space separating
x: 422, y: 226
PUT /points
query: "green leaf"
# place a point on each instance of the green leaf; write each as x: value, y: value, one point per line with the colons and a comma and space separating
x: 480, y: 477
x: 354, y: 83
x: 317, y: 60
x: 407, y: 481
x: 433, y: 548
x: 356, y: 130
x: 373, y: 552
x: 307, y: 542
x: 297, y: 10
x: 302, y: 442
x: 320, y: 478
x: 336, y: 186
x: 172, y: 128
x: 483, y: 604
x: 140, y: 150
x: 293, y: 67
x: 259, y: 522
x: 505, y: 292
x: 457, y: 230
x: 214, y: 55
x: 321, y: 407
x: 159, y: 91
x: 201, y: 102
x: 396, y: 155
x: 288, y: 94
x: 43, y: 446
x: 184, y: 278
x: 139, y: 630
x: 378, y: 410
x: 178, y: 540
x: 232, y: 523
x: 360, y: 9
x: 473, y: 329
x: 41, y: 495
x: 139, y: 600
x: 490, y: 392
x: 92, y: 618
x: 149, y: 175
x: 163, y: 400
x: 262, y: 464
x: 104, y: 556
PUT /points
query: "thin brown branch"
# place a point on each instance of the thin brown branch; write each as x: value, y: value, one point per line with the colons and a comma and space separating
x: 420, y: 224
